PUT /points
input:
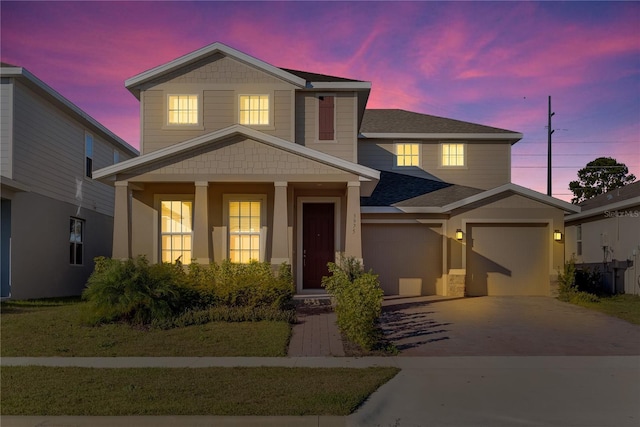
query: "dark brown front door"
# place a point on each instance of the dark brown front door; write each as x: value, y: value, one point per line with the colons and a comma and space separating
x: 317, y: 242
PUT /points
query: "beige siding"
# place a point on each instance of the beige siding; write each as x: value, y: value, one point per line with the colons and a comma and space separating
x: 6, y: 125
x: 240, y: 157
x: 219, y: 82
x: 488, y: 164
x: 345, y: 125
x: 49, y: 154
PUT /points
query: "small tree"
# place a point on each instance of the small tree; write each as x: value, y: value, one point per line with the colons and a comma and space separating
x: 599, y: 176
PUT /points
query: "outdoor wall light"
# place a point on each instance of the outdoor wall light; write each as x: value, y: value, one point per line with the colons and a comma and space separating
x: 557, y: 235
x: 459, y: 234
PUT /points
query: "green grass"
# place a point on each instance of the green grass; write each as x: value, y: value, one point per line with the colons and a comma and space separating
x: 34, y: 390
x: 624, y: 306
x: 54, y: 328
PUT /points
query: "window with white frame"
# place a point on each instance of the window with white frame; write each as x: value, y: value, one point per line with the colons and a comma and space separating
x: 76, y: 241
x: 253, y: 109
x: 245, y: 219
x: 88, y: 155
x: 176, y: 230
x: 579, y: 239
x: 452, y: 154
x: 182, y: 109
x: 407, y: 154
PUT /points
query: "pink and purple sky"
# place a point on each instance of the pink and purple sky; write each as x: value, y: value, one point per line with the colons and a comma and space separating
x: 493, y: 63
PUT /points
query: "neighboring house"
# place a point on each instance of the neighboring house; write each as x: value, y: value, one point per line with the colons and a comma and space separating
x: 243, y: 160
x: 55, y: 217
x: 605, y: 235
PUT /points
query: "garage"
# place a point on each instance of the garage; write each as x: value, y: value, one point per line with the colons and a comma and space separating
x: 508, y: 259
x: 407, y: 257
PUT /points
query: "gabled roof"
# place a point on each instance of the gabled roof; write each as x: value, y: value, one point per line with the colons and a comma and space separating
x: 365, y: 173
x: 7, y: 70
x: 395, y: 123
x: 618, y: 199
x: 301, y: 79
x: 423, y: 195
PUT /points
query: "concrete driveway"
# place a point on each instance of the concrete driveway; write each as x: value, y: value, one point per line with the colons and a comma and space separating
x: 504, y: 326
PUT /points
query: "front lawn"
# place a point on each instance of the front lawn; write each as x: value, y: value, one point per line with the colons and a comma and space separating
x: 53, y: 328
x: 35, y: 390
x: 623, y: 306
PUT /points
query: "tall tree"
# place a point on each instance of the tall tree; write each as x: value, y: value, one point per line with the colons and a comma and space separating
x: 599, y: 176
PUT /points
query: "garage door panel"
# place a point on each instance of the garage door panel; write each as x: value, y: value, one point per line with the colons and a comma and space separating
x: 507, y: 259
x: 397, y: 251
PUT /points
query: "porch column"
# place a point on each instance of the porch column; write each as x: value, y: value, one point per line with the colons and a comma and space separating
x: 353, y: 232
x: 280, y: 234
x: 122, y: 221
x: 200, y: 224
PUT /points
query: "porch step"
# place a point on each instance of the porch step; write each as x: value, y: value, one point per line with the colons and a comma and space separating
x: 312, y: 301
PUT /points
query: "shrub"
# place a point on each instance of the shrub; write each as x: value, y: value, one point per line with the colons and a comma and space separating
x: 226, y: 314
x: 588, y: 280
x: 568, y: 284
x: 133, y: 290
x: 358, y: 298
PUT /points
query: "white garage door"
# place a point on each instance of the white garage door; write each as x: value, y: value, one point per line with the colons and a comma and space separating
x: 403, y: 251
x: 507, y: 259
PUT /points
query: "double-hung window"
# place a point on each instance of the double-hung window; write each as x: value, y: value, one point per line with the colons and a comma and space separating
x: 579, y: 239
x: 182, y: 110
x: 254, y: 109
x: 176, y: 230
x: 245, y: 218
x: 452, y: 154
x: 407, y: 154
x: 76, y: 241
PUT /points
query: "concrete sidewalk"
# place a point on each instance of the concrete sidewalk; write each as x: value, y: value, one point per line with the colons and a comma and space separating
x: 429, y: 391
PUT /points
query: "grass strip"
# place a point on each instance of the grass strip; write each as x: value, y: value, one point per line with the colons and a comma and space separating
x: 625, y: 306
x: 50, y: 328
x: 35, y: 390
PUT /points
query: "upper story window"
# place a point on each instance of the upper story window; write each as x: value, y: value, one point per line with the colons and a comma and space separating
x: 88, y: 155
x: 407, y: 154
x: 176, y: 230
x: 452, y: 155
x: 326, y: 118
x: 182, y: 109
x: 116, y: 156
x: 254, y: 109
x: 579, y: 239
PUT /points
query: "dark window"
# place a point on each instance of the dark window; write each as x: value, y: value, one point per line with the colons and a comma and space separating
x: 76, y: 241
x: 88, y: 153
x: 326, y: 118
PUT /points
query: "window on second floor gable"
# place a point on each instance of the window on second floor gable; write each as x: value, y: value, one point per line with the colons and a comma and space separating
x: 407, y: 155
x: 182, y: 110
x: 254, y: 109
x: 452, y: 154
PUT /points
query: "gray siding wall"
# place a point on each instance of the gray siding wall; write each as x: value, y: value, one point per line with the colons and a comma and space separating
x: 49, y: 153
x: 40, y: 246
x: 219, y: 82
x: 346, y: 132
x: 488, y: 164
x: 6, y: 125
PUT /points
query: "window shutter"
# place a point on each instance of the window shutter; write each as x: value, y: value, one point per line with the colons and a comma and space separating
x: 325, y: 122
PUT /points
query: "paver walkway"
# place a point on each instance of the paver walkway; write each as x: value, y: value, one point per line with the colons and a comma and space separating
x: 315, y: 334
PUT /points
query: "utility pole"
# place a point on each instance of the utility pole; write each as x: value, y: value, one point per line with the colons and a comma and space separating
x: 549, y: 153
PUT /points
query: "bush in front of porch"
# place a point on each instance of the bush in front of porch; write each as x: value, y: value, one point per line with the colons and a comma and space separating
x: 358, y: 298
x: 168, y: 295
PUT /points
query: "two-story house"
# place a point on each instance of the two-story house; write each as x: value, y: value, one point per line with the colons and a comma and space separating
x: 243, y: 160
x: 55, y: 217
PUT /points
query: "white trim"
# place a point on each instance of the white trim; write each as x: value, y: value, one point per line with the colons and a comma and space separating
x: 262, y: 198
x: 131, y: 164
x: 602, y: 209
x: 465, y: 155
x: 340, y: 85
x: 209, y: 50
x: 336, y: 225
x: 270, y: 94
x: 157, y: 203
x: 466, y: 136
x: 183, y: 126
x: 23, y: 72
